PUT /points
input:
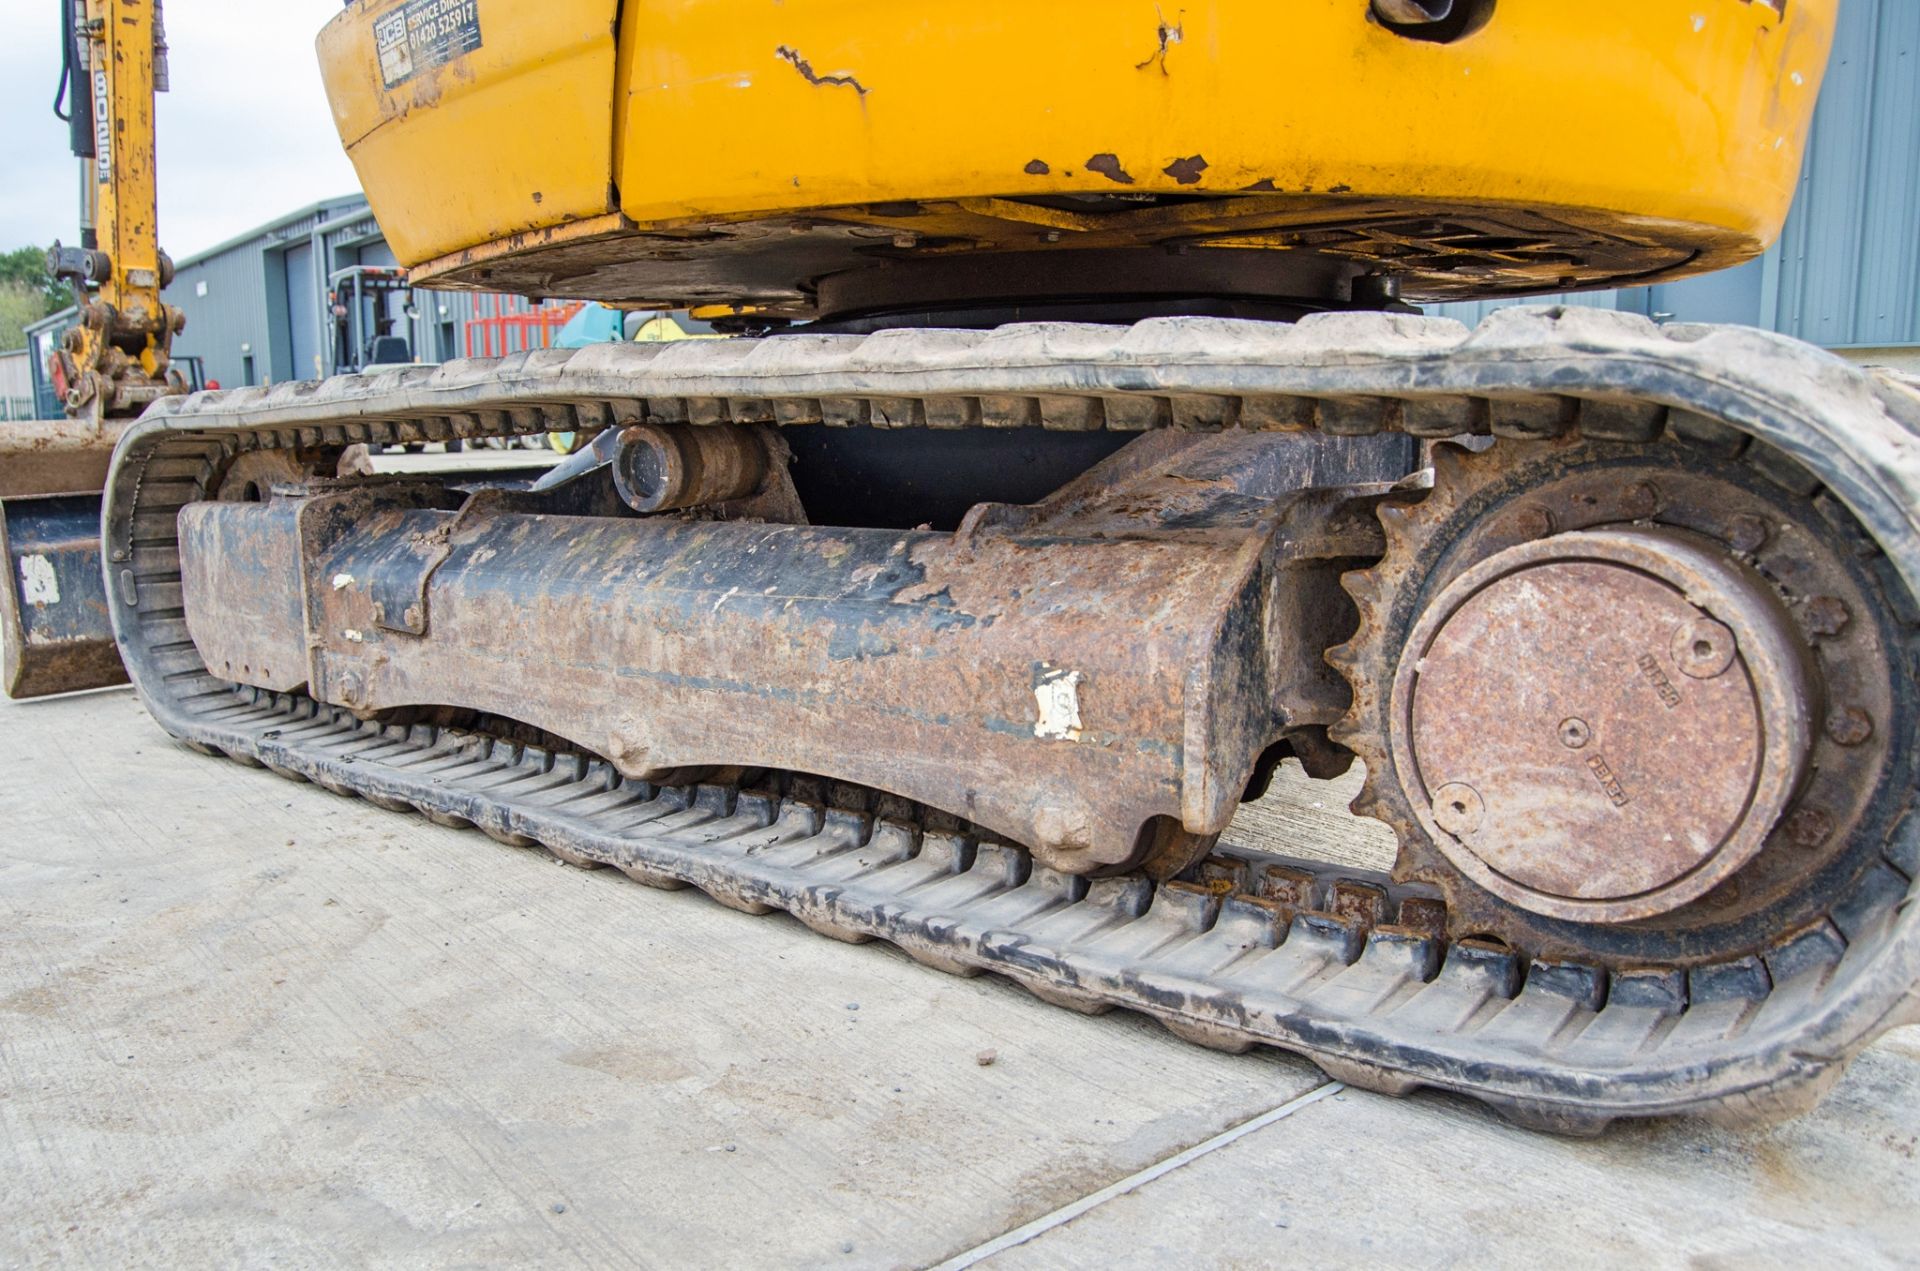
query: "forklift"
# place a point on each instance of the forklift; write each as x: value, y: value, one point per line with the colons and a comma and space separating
x: 365, y: 327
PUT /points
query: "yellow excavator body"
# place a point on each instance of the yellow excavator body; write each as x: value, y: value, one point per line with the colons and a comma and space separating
x: 695, y: 152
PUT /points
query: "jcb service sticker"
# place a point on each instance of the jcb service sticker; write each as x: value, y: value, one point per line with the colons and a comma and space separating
x: 423, y: 34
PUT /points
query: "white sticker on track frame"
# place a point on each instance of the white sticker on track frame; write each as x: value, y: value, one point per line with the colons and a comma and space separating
x: 39, y: 585
x: 1056, y: 691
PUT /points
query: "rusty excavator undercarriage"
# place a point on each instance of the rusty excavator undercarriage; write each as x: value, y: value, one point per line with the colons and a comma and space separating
x: 1079, y: 461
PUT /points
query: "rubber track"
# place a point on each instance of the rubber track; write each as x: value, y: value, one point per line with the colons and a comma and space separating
x: 1558, y: 1046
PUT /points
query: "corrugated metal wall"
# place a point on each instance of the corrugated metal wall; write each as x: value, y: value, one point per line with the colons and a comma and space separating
x: 224, y: 298
x: 1846, y: 271
x: 254, y: 305
x: 236, y: 296
x: 16, y: 385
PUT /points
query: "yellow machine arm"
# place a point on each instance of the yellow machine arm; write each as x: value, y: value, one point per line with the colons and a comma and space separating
x: 115, y: 360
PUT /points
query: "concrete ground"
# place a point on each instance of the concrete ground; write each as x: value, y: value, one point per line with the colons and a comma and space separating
x: 246, y: 1022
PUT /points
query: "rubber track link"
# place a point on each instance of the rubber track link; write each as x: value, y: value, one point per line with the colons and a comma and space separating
x: 1387, y: 1006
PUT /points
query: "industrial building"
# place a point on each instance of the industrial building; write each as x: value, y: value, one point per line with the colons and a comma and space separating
x: 275, y: 304
x: 16, y: 385
x: 261, y: 307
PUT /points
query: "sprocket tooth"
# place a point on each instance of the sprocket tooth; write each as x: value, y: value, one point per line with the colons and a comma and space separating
x: 1400, y: 525
x: 1363, y: 658
x: 1449, y: 465
x: 1361, y: 585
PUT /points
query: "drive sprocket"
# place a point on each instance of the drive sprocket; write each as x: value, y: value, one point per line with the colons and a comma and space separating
x: 1626, y: 704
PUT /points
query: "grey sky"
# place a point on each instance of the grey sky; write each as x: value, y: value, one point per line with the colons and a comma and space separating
x: 244, y: 135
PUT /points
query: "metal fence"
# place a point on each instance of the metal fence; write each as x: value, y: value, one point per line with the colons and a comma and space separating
x: 500, y: 324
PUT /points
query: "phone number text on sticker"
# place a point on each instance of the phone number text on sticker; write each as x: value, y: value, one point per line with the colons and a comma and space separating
x: 423, y: 34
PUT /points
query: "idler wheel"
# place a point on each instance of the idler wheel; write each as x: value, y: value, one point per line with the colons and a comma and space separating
x: 1603, y: 725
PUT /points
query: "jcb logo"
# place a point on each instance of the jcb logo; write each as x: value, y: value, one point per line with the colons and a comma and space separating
x: 393, y: 44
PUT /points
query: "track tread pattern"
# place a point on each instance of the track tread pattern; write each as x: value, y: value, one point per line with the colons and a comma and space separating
x: 1557, y: 1046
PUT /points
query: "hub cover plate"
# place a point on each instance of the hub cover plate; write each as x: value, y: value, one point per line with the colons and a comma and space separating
x: 1604, y: 724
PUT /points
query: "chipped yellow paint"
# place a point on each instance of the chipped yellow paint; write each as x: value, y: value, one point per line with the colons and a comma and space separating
x: 1644, y: 112
x: 516, y: 135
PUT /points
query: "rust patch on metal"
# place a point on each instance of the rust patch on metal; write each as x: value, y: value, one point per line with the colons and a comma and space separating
x: 1036, y: 168
x: 56, y: 456
x: 1827, y: 615
x: 1428, y: 917
x: 1568, y: 720
x: 865, y: 655
x: 1286, y: 886
x: 1187, y: 171
x: 1557, y: 632
x: 1108, y: 165
x: 1364, y: 904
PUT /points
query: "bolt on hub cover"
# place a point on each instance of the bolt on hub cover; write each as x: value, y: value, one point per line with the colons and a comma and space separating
x: 1602, y: 725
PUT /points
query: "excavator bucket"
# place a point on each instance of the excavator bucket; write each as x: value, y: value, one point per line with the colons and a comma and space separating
x: 55, y: 632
